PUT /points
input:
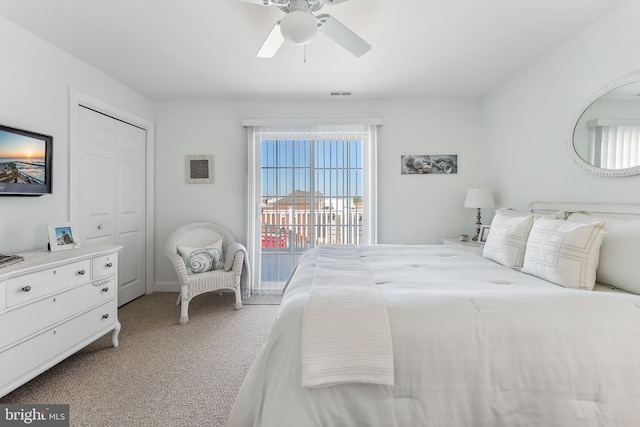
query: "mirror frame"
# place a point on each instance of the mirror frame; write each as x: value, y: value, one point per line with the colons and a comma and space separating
x: 629, y: 78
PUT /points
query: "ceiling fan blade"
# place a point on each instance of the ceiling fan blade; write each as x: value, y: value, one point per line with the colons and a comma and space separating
x: 260, y: 2
x: 271, y: 2
x: 272, y: 43
x: 332, y: 2
x: 340, y: 34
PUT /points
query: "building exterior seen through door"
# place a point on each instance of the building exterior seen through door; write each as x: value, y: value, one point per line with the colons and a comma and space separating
x: 311, y: 194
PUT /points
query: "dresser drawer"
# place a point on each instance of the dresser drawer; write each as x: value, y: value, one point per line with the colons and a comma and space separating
x: 3, y: 295
x: 31, y: 286
x: 32, y: 357
x: 104, y: 265
x: 29, y: 319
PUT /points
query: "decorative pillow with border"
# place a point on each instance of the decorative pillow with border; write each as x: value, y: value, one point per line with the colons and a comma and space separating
x: 564, y: 252
x: 201, y: 260
x: 507, y: 237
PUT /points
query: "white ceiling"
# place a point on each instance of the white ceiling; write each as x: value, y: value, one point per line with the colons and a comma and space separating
x: 169, y: 49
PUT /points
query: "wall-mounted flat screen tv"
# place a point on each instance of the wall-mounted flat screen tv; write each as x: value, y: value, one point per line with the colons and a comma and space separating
x: 26, y: 159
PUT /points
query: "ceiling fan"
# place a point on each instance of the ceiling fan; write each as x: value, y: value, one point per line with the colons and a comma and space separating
x: 300, y: 26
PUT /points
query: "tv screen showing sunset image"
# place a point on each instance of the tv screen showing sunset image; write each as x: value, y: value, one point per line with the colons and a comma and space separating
x: 22, y: 159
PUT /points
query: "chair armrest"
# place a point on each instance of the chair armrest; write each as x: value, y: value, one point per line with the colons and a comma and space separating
x: 179, y: 265
x: 238, y: 260
x: 238, y: 252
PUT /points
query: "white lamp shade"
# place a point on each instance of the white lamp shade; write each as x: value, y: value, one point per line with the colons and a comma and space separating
x: 299, y: 27
x: 479, y: 198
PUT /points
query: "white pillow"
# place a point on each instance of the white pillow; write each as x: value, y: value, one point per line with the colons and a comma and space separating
x: 619, y: 266
x: 583, y: 218
x: 507, y: 237
x: 200, y: 260
x: 564, y: 252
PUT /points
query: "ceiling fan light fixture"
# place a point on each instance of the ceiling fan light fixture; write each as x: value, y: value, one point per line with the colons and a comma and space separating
x: 299, y: 27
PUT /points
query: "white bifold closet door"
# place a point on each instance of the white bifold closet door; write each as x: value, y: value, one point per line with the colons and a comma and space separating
x: 108, y: 193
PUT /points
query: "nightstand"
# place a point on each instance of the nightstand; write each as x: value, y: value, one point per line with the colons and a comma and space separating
x: 470, y: 246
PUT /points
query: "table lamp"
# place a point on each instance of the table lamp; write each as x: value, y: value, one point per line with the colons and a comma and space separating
x: 478, y: 198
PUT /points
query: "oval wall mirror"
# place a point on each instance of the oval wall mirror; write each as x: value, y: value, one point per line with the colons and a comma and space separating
x: 605, y: 136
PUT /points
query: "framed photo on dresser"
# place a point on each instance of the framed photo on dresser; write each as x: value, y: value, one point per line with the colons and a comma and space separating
x: 63, y: 236
x: 484, y: 233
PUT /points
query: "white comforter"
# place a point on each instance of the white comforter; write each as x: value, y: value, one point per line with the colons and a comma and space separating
x: 474, y: 344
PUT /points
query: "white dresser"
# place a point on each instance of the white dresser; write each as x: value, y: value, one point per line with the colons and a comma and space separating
x: 52, y: 304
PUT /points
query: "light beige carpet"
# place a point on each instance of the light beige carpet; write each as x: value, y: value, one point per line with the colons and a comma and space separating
x: 268, y: 299
x: 163, y: 373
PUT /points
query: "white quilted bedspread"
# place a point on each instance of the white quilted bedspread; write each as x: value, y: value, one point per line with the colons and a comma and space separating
x: 474, y: 344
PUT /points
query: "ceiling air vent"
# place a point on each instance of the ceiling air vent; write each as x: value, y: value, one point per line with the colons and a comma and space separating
x: 340, y: 93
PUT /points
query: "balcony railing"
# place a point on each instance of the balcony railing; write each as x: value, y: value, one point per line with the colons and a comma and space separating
x: 287, y: 234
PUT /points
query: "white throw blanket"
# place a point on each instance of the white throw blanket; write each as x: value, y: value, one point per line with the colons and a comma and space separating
x: 346, y: 336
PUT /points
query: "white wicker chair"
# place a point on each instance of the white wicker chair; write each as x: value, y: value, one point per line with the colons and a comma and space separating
x: 199, y: 235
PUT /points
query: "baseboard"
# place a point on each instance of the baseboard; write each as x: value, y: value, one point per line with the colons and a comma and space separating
x: 166, y: 287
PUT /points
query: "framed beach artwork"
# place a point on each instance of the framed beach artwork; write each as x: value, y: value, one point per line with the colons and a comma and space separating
x: 63, y: 236
x: 428, y: 164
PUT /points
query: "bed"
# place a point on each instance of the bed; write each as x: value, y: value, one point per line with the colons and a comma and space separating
x: 460, y: 339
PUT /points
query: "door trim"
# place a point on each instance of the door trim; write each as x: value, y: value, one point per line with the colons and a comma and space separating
x: 78, y: 98
x: 254, y: 156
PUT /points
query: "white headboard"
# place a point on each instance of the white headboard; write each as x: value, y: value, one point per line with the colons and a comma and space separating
x: 603, y: 210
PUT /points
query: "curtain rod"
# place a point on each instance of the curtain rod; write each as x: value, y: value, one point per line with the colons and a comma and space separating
x: 371, y: 121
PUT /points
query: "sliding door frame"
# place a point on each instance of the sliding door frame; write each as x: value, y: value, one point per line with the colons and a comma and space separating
x: 254, y: 156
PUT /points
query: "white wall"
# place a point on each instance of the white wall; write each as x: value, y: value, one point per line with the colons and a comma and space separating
x: 411, y: 208
x: 35, y: 79
x: 514, y: 141
x: 527, y: 119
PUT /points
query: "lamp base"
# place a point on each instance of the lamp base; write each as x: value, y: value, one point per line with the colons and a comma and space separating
x: 478, y: 224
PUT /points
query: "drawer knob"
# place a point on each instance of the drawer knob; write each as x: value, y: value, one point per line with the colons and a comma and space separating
x: 81, y: 272
x: 109, y: 265
x: 26, y: 288
x: 100, y: 227
x: 105, y: 316
x: 105, y: 289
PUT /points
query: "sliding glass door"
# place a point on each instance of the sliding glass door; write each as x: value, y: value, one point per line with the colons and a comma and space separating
x: 311, y: 187
x: 311, y: 194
